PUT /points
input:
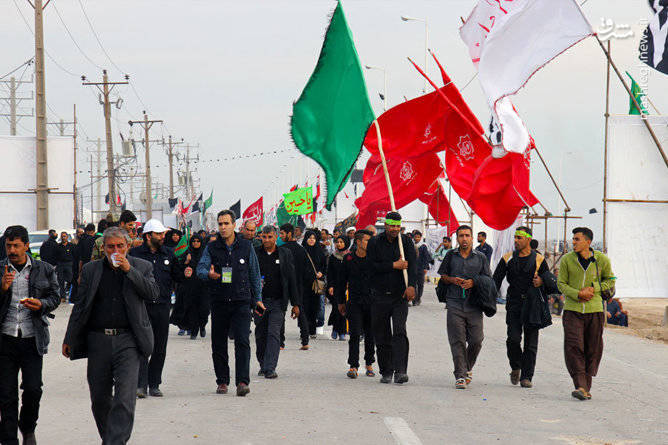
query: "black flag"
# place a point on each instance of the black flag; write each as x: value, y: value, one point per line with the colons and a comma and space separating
x: 654, y: 41
x: 236, y: 208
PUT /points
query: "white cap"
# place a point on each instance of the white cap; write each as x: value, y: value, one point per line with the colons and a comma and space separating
x: 154, y: 225
x: 350, y: 229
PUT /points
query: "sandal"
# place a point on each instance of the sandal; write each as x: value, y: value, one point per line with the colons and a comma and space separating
x: 352, y: 373
x: 369, y: 371
x: 460, y: 384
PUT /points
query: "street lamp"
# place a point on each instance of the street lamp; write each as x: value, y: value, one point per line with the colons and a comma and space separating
x: 426, y: 43
x: 371, y: 67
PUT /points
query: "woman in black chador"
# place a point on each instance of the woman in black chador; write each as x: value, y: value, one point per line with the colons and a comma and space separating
x: 336, y: 320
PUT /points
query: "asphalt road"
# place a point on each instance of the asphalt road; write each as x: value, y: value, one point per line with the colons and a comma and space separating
x: 313, y: 402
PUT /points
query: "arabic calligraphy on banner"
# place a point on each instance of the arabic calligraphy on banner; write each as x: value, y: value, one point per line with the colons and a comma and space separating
x: 299, y: 202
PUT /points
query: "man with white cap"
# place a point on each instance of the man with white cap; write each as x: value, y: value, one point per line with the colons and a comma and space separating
x: 166, y: 271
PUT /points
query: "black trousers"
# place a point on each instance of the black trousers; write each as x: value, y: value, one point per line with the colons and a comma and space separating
x: 267, y: 335
x: 19, y: 354
x: 388, y: 318
x: 150, y: 370
x: 113, y: 367
x: 232, y: 317
x: 359, y: 321
x: 64, y: 273
x: 311, y: 306
x: 525, y: 360
x: 420, y: 285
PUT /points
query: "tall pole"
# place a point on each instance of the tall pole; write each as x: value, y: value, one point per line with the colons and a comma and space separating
x: 42, y: 182
x: 171, y: 169
x: 605, y: 153
x: 111, y: 174
x: 99, y: 174
x: 147, y: 124
x: 12, y: 106
x: 74, y: 188
x: 92, y: 210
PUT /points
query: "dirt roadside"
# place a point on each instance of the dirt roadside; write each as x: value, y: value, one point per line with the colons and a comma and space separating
x: 645, y: 318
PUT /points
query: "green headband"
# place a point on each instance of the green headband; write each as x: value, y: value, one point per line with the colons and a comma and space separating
x: 522, y: 233
x: 392, y: 222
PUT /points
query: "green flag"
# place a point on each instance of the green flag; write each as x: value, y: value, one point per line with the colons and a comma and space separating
x: 209, y: 202
x: 333, y: 113
x: 638, y: 93
x: 182, y: 246
x: 299, y: 202
x: 283, y: 217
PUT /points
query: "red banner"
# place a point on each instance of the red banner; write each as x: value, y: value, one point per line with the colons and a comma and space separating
x: 255, y: 213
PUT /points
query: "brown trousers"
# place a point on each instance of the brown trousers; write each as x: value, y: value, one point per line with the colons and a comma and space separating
x: 583, y: 345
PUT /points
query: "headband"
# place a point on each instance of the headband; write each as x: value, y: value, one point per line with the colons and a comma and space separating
x: 522, y: 233
x: 392, y: 222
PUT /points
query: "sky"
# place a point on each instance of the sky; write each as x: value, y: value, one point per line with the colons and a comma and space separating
x: 224, y: 74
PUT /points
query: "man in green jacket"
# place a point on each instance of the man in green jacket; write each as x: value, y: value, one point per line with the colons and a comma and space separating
x: 583, y: 274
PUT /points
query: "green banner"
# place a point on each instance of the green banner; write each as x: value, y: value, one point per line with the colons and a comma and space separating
x: 299, y: 202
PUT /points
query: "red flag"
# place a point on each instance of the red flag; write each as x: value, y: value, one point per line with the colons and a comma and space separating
x: 439, y: 207
x: 255, y: 213
x: 410, y: 178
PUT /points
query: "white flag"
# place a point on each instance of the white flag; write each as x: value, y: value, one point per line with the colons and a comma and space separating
x: 509, y: 41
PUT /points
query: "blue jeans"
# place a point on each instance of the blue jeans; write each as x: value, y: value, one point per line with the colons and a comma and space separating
x: 320, y: 319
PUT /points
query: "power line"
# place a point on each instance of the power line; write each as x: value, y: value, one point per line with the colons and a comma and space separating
x: 90, y: 24
x: 73, y: 40
x: 26, y: 63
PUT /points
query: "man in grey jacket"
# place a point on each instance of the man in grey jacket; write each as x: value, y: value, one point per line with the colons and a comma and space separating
x: 28, y: 293
x: 110, y: 326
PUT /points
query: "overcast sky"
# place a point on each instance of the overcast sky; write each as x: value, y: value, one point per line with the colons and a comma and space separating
x: 224, y: 74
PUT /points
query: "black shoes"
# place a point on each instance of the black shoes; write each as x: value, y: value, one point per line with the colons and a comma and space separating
x: 400, y: 378
x: 260, y: 373
x: 515, y: 376
x: 386, y: 379
x: 155, y: 392
x: 141, y: 393
x: 202, y: 332
x: 270, y: 375
x: 242, y: 390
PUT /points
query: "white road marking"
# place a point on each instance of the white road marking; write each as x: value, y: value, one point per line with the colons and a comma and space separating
x: 402, y: 433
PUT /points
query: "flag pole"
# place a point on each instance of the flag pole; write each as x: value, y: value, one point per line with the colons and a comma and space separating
x: 393, y: 206
x: 643, y: 116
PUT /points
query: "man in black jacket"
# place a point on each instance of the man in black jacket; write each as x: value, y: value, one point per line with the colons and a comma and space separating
x: 110, y: 326
x: 64, y: 261
x: 303, y: 275
x: 28, y: 295
x: 278, y: 286
x: 48, y: 251
x: 230, y: 268
x: 166, y: 271
x: 522, y: 268
x: 460, y: 270
x: 424, y: 261
x: 391, y: 297
x: 355, y: 276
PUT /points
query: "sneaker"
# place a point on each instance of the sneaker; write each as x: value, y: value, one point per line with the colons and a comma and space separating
x: 386, y: 378
x: 369, y: 371
x: 242, y: 390
x: 580, y: 394
x: 182, y: 332
x: 222, y: 389
x: 141, y: 393
x: 304, y: 348
x: 515, y: 376
x: 342, y: 337
x: 270, y: 375
x: 460, y: 384
x: 526, y: 383
x: 469, y: 377
x: 352, y: 373
x: 155, y: 392
x: 320, y: 330
x: 400, y: 378
x: 334, y: 335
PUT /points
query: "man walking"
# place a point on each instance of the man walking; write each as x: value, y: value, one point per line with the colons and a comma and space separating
x: 584, y: 274
x: 110, y: 326
x: 230, y: 266
x: 279, y: 286
x: 303, y: 276
x: 459, y: 270
x: 166, y: 271
x: 28, y: 295
x: 64, y: 260
x: 424, y: 262
x: 523, y: 268
x: 484, y: 247
x: 391, y: 295
x: 248, y: 231
x: 355, y: 276
x: 48, y: 251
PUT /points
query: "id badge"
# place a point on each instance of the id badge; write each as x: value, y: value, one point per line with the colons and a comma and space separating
x: 226, y: 274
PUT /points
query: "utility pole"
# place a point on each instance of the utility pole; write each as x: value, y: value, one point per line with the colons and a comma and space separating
x: 189, y: 188
x: 74, y: 188
x: 147, y: 124
x: 13, y: 100
x: 98, y: 152
x: 105, y: 90
x: 92, y: 209
x: 170, y: 156
x: 42, y: 179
